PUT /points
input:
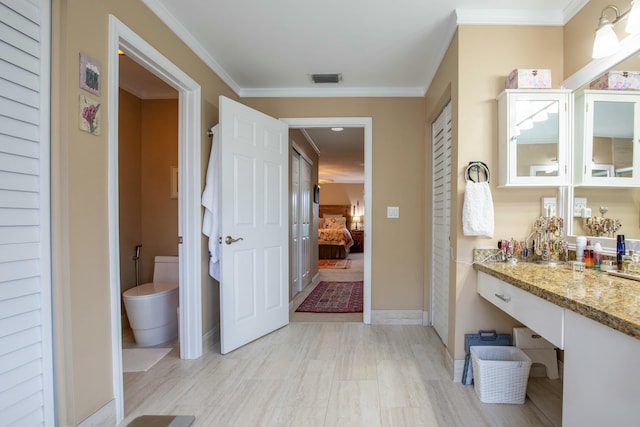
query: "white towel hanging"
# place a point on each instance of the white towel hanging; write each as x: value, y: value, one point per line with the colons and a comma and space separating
x: 211, y: 203
x: 477, y: 210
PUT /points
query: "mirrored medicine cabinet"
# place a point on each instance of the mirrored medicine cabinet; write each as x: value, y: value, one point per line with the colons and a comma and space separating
x: 602, y: 143
x: 533, y: 137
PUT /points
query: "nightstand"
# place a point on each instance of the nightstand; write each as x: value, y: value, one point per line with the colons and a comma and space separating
x: 358, y: 240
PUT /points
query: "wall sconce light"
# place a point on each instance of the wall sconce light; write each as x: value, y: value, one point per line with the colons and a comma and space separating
x: 606, y: 41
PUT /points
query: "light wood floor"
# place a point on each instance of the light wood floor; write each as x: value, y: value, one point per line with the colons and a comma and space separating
x: 320, y: 374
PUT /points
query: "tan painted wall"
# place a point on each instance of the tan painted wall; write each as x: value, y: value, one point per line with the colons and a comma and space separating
x: 148, y: 216
x: 398, y: 180
x: 344, y: 194
x: 481, y: 77
x: 79, y: 192
x: 159, y: 154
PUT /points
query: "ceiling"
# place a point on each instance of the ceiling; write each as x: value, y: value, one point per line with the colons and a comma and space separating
x: 380, y: 48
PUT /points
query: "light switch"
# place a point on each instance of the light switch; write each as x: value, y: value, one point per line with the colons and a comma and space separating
x: 548, y: 206
x: 579, y: 203
x: 393, y: 212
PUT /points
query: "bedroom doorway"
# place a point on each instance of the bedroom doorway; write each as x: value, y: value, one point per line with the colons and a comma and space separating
x: 360, y: 260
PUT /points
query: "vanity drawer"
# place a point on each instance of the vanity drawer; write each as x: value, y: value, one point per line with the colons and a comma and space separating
x: 541, y: 316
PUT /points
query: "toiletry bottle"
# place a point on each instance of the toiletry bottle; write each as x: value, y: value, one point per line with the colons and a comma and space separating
x: 597, y: 256
x: 634, y: 266
x: 620, y: 250
x: 581, y: 241
x: 626, y: 261
x: 588, y: 255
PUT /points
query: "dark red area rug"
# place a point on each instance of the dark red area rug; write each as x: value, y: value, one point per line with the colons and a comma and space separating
x: 334, y: 297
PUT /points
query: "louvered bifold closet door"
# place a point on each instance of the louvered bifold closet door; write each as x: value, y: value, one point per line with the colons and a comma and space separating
x: 26, y: 375
x: 440, y: 222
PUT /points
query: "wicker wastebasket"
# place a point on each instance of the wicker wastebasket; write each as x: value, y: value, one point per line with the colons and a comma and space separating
x: 500, y: 373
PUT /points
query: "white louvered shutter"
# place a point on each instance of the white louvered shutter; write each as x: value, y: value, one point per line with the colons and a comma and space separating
x: 440, y: 222
x: 26, y: 370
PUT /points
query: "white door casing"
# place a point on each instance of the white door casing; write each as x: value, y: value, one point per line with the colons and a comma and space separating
x: 440, y: 222
x: 367, y: 124
x: 189, y: 196
x: 254, y: 290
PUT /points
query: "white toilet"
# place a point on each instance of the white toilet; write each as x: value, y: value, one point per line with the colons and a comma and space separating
x: 152, y: 307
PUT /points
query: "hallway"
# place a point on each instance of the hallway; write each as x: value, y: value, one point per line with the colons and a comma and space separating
x: 352, y: 274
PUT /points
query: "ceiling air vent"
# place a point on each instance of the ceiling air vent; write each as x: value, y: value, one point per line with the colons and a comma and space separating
x: 326, y: 78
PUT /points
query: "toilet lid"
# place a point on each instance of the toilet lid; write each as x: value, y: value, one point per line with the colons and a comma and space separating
x: 150, y: 289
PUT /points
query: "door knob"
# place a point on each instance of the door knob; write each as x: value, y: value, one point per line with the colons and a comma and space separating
x: 229, y: 240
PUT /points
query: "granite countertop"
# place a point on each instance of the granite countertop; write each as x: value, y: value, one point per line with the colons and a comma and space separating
x: 607, y: 299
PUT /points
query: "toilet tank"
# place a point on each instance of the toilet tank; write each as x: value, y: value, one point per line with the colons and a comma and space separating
x: 165, y: 269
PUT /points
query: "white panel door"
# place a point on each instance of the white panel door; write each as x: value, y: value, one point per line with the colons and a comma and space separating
x: 26, y: 368
x: 296, y: 247
x: 440, y: 221
x: 305, y: 216
x: 254, y: 292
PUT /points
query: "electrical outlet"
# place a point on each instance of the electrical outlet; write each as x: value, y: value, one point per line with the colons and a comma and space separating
x: 579, y: 203
x: 548, y: 206
x: 393, y: 212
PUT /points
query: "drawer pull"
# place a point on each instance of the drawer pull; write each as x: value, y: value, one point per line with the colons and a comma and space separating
x: 502, y: 297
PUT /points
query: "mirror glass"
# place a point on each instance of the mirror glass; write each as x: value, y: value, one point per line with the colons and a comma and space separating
x: 612, y: 138
x: 612, y: 142
x: 537, y: 137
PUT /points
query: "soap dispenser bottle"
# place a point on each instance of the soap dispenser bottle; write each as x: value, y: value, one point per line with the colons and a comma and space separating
x: 597, y: 256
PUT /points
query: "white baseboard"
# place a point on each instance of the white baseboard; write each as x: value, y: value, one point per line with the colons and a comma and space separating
x: 458, y: 370
x: 103, y: 417
x: 425, y: 319
x: 396, y: 317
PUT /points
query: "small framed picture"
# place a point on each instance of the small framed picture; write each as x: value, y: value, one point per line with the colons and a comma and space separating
x: 89, y: 115
x: 316, y: 193
x: 89, y: 74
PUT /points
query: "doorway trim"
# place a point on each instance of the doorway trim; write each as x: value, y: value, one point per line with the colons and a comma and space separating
x: 189, y: 210
x: 367, y: 124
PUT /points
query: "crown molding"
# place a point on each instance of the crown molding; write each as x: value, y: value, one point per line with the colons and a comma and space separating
x: 336, y: 91
x: 470, y: 16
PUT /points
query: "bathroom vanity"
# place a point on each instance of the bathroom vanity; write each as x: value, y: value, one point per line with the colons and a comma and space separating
x: 594, y: 317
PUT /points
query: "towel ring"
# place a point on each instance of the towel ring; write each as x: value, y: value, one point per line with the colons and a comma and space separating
x: 480, y: 169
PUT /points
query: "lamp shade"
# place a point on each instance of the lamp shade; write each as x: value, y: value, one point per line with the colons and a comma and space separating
x: 606, y: 41
x: 633, y: 19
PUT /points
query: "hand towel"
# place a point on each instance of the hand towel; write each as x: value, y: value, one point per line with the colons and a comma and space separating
x: 211, y: 203
x: 477, y: 210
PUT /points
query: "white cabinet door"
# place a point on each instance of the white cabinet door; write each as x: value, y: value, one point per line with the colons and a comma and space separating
x: 533, y: 137
x: 607, y: 151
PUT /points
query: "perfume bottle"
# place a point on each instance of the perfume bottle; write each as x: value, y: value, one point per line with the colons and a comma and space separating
x: 588, y: 255
x: 634, y: 265
x: 620, y: 250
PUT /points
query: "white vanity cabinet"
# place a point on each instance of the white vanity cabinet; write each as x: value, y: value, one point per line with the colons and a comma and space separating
x: 607, y: 138
x: 539, y: 315
x: 533, y: 136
